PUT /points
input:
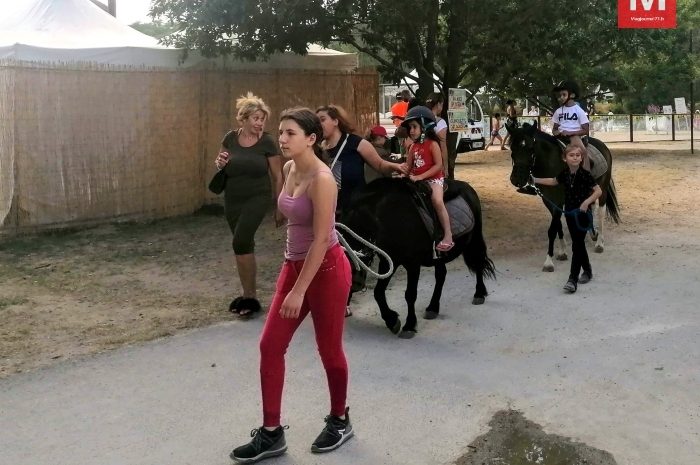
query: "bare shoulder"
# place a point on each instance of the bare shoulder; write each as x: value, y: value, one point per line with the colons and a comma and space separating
x: 287, y: 167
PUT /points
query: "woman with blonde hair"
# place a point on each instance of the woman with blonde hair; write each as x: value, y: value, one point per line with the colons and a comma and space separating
x: 253, y: 167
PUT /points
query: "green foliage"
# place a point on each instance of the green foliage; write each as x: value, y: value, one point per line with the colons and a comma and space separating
x: 511, y: 47
x: 156, y: 29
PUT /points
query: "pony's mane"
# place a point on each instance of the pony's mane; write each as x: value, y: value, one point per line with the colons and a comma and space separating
x: 541, y: 135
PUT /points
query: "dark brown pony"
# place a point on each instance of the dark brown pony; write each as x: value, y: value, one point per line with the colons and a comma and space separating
x: 535, y: 153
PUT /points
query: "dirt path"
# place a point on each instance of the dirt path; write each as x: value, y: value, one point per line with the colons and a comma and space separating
x: 83, y: 292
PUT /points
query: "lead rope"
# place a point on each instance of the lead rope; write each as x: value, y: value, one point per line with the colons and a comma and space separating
x: 573, y: 213
x: 355, y: 256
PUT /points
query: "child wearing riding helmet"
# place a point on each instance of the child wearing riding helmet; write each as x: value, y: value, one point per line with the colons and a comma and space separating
x: 425, y: 164
x: 569, y: 120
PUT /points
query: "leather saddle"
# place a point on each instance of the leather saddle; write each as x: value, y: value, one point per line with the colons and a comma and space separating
x: 461, y: 215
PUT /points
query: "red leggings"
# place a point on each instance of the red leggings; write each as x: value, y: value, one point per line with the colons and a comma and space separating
x: 325, y: 299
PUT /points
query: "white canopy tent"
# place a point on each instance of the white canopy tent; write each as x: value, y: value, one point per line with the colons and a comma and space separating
x: 66, y: 31
x: 76, y: 31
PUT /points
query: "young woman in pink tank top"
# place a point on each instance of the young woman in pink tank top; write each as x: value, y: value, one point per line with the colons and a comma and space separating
x: 315, y: 278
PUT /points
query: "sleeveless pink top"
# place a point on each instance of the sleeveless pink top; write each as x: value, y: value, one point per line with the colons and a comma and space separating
x: 299, y: 212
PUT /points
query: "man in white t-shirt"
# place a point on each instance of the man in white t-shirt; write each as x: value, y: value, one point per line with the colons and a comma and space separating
x: 569, y: 120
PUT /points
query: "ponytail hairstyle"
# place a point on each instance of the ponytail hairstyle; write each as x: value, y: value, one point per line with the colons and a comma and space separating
x: 434, y: 99
x: 309, y: 122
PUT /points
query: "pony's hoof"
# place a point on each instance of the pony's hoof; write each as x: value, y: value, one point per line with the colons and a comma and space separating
x: 562, y: 257
x: 598, y: 249
x: 478, y: 300
x: 548, y: 268
x: 397, y: 327
x: 430, y: 315
x: 407, y: 334
x: 594, y: 237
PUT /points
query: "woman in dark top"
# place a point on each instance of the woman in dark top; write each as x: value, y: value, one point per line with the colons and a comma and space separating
x: 347, y: 153
x: 253, y: 167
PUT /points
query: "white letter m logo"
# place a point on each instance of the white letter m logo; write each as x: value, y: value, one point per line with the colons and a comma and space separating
x: 647, y: 4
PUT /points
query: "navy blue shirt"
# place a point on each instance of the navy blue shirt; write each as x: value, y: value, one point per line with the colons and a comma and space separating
x: 352, y: 167
x: 578, y: 186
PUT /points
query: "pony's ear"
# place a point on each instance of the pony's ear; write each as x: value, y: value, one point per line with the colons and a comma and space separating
x: 529, y: 129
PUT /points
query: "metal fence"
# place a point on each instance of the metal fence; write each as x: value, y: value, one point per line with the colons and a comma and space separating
x: 633, y: 128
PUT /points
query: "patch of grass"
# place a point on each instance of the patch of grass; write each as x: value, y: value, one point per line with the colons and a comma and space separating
x: 10, y: 301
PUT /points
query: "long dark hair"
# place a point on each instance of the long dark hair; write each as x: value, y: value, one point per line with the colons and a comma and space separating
x: 309, y: 122
x: 339, y: 114
x: 434, y: 99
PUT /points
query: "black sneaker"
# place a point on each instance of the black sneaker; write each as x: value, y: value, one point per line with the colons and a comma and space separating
x: 570, y: 286
x: 335, y: 433
x: 585, y: 277
x: 265, y: 444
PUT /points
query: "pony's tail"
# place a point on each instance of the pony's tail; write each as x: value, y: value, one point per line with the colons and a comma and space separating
x: 613, y: 207
x: 475, y: 255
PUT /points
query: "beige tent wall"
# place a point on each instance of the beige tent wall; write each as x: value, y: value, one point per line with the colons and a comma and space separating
x: 7, y: 149
x: 93, y: 144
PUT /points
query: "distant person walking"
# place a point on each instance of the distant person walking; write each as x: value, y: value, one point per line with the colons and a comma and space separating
x: 253, y: 167
x: 495, y: 131
x: 314, y: 279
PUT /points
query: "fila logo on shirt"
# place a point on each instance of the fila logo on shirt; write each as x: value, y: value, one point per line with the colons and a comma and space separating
x: 568, y: 117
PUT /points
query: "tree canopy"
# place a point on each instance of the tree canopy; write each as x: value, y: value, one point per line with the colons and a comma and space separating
x: 512, y: 47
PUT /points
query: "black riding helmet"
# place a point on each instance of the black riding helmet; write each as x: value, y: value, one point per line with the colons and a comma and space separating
x: 424, y: 116
x: 569, y: 86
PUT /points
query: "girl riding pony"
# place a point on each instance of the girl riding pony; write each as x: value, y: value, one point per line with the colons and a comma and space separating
x: 425, y: 163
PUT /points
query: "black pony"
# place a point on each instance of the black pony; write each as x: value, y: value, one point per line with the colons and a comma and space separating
x: 540, y: 154
x: 384, y: 213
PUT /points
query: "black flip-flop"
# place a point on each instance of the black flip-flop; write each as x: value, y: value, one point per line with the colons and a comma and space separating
x: 233, y: 307
x: 248, y: 305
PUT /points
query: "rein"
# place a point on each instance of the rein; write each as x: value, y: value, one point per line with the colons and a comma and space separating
x: 575, y: 213
x: 355, y: 255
